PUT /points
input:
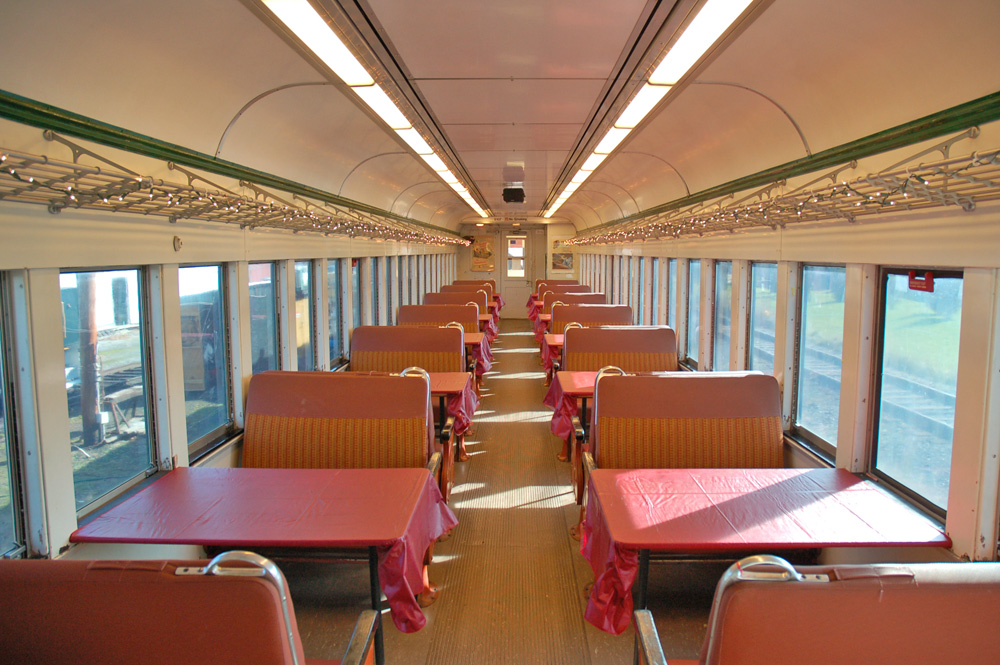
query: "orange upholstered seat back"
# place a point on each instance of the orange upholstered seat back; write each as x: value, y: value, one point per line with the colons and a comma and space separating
x: 688, y: 420
x: 458, y: 298
x: 630, y: 348
x: 336, y: 420
x: 466, y: 288
x: 439, y: 315
x: 571, y: 299
x: 394, y: 348
x: 539, y: 283
x: 73, y: 611
x: 895, y: 614
x: 590, y: 316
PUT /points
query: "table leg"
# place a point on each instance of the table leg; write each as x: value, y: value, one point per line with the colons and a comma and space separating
x: 442, y: 414
x: 376, y: 604
x: 642, y: 579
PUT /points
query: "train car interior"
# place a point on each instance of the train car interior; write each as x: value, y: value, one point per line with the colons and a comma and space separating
x: 198, y: 192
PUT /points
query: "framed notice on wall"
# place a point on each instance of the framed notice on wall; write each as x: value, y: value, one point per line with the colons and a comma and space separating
x: 483, y: 254
x: 562, y: 255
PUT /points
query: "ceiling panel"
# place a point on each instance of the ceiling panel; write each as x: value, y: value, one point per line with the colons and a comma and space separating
x: 512, y: 136
x: 482, y: 39
x: 505, y: 101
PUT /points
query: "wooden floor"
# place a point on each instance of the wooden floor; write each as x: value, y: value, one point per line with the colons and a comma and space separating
x: 512, y: 579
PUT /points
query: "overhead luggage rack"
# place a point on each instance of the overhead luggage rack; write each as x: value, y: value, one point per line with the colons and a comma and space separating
x: 909, y: 185
x: 27, y: 178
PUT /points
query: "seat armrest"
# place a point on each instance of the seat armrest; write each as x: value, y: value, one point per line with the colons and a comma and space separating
x: 447, y: 429
x: 589, y: 465
x: 647, y: 640
x: 556, y: 365
x: 434, y: 465
x: 362, y: 639
x: 578, y: 429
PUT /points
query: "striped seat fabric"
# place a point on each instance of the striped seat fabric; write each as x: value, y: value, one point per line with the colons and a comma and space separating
x: 397, y: 361
x: 690, y: 443
x: 629, y: 361
x: 282, y: 442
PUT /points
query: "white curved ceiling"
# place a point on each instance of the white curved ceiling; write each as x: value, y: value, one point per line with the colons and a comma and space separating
x: 516, y: 83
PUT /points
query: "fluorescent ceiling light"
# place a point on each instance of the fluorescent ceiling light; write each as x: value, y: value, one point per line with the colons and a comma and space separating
x: 435, y: 162
x: 611, y: 140
x: 302, y: 19
x: 648, y: 97
x: 385, y: 108
x: 572, y: 187
x: 713, y: 20
x: 448, y: 177
x: 415, y: 141
x: 580, y: 176
x: 458, y: 187
x: 593, y: 162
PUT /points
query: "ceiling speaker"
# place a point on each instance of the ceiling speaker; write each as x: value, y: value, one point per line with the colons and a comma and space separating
x: 513, y: 194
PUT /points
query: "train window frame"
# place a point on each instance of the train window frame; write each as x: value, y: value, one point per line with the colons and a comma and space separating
x: 671, y: 290
x: 335, y: 312
x: 9, y: 429
x: 214, y: 438
x: 751, y: 302
x: 145, y: 356
x: 693, y: 332
x: 878, y: 357
x: 654, y: 291
x: 275, y: 313
x: 721, y: 303
x: 374, y: 283
x: 311, y: 353
x: 801, y: 433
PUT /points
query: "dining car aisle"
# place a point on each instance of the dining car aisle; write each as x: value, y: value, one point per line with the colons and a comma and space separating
x: 510, y: 591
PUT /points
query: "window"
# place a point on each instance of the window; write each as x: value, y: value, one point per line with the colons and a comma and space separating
x: 640, y: 291
x: 672, y: 294
x: 722, y: 322
x: 916, y: 381
x: 654, y: 300
x: 333, y: 309
x: 390, y: 280
x: 106, y: 387
x: 515, y: 256
x: 304, y: 316
x: 694, y: 312
x: 355, y: 293
x: 11, y: 537
x: 263, y: 317
x: 763, y: 304
x: 374, y: 284
x: 820, y: 346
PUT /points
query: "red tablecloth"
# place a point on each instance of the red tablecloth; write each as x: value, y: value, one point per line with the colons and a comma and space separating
x: 398, y: 511
x: 718, y: 510
x: 460, y: 395
x: 551, y: 349
x: 541, y: 326
x: 500, y: 301
x: 534, y: 308
x: 481, y: 352
x: 562, y: 396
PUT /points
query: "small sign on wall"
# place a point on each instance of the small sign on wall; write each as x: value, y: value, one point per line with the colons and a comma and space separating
x: 562, y: 256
